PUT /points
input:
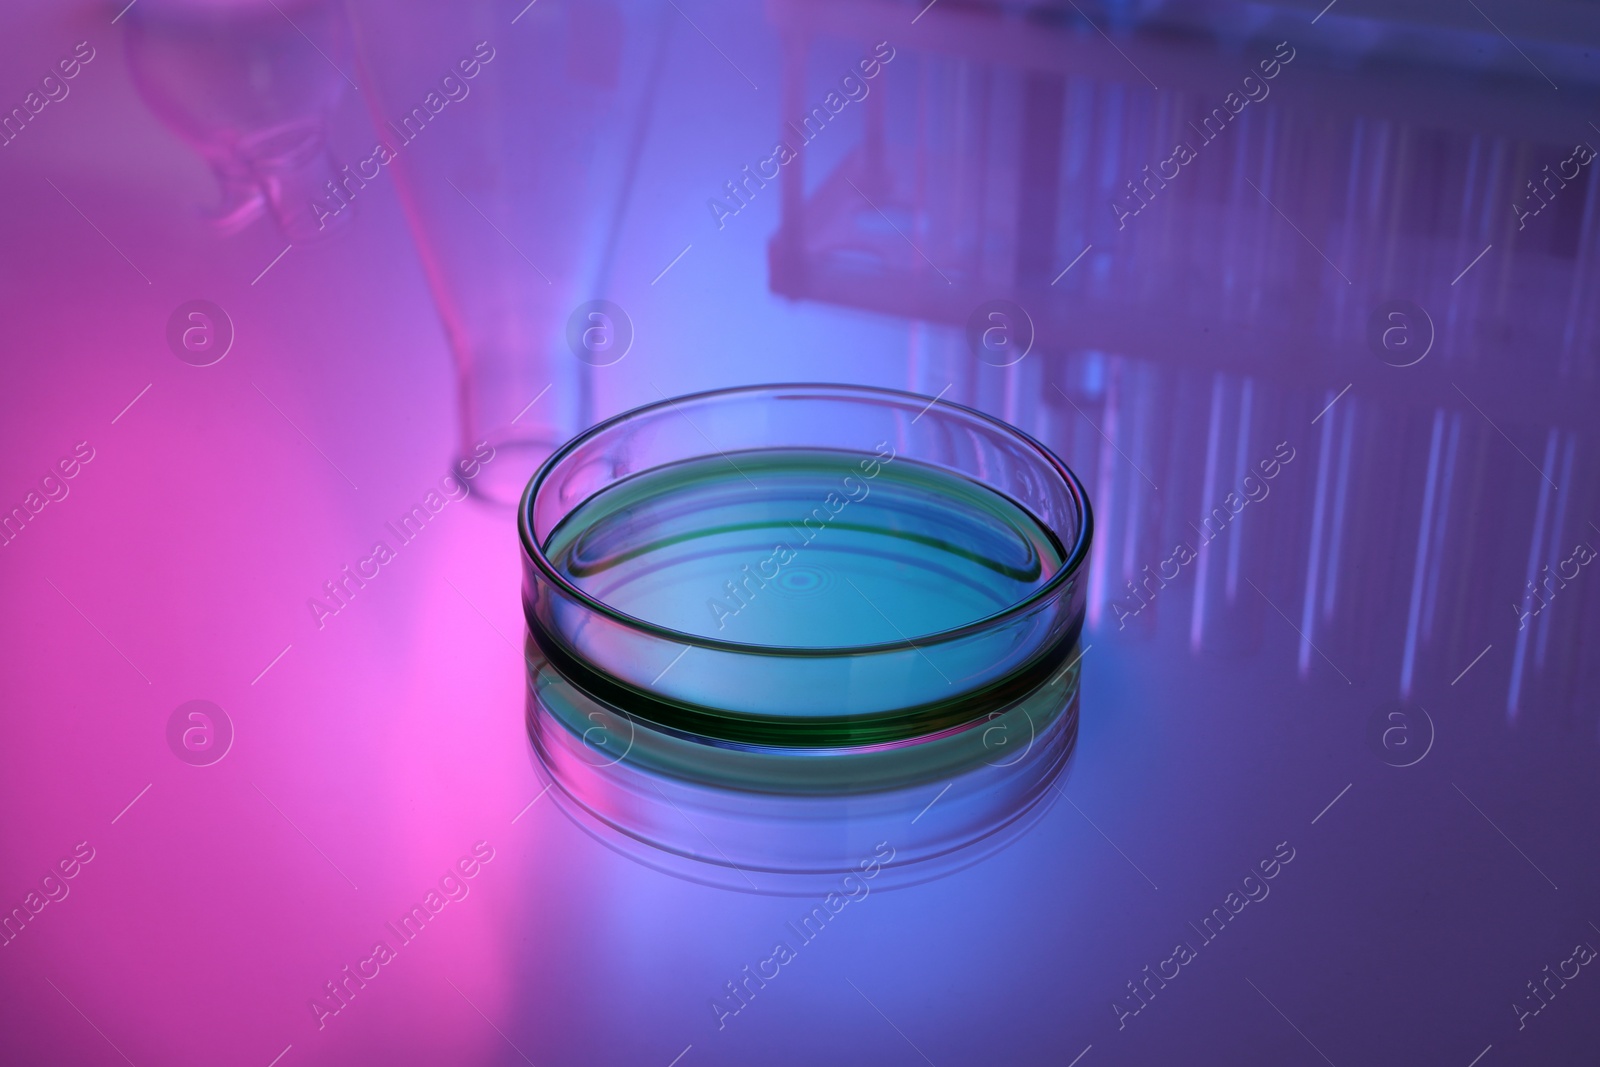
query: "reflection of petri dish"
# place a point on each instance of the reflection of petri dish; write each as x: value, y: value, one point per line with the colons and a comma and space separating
x: 798, y: 821
x: 946, y: 551
x: 793, y: 619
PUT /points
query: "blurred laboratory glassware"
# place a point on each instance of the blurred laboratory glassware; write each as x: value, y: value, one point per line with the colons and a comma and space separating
x: 249, y: 85
x: 510, y: 128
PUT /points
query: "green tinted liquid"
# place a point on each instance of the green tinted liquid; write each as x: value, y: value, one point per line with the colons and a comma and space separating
x: 796, y: 548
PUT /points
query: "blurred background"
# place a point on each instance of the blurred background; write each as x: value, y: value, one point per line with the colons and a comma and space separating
x: 277, y: 273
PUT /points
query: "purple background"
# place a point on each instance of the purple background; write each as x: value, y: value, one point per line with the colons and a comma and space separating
x: 1244, y: 707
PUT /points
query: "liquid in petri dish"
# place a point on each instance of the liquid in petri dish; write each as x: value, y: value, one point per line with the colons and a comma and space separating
x: 795, y: 548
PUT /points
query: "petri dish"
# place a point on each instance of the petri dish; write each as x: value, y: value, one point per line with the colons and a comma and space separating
x: 805, y: 566
x: 770, y: 628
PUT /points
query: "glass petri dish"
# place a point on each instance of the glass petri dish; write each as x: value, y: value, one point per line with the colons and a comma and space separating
x: 819, y: 567
x: 789, y: 638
